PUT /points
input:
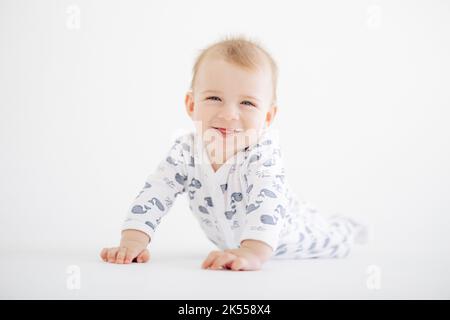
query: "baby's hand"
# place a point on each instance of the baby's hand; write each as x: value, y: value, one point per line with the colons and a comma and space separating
x: 241, y: 259
x: 125, y: 254
x: 132, y: 248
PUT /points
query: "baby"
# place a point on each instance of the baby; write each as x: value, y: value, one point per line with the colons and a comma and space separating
x: 231, y: 169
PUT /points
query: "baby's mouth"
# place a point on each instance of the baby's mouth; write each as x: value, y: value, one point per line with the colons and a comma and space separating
x: 225, y: 131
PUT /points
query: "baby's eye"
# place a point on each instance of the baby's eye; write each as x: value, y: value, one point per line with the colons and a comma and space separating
x: 214, y: 98
x: 248, y: 103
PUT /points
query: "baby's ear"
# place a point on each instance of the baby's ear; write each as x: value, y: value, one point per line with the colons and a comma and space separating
x: 270, y: 115
x: 189, y: 103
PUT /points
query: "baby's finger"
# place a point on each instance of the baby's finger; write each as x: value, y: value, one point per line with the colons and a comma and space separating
x: 244, y: 264
x: 130, y: 255
x: 239, y: 264
x: 210, y: 258
x: 112, y: 252
x: 121, y: 255
x: 104, y: 254
x: 223, y: 260
x: 144, y: 256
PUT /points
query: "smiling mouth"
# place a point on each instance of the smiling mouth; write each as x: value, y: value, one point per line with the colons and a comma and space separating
x: 225, y: 131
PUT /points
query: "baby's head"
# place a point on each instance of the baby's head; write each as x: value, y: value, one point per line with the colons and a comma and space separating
x: 233, y: 87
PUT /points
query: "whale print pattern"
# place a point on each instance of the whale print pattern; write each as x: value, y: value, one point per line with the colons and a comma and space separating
x: 249, y: 199
x: 209, y: 203
x: 160, y: 191
x: 235, y: 197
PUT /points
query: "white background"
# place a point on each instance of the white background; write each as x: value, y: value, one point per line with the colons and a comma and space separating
x: 92, y: 94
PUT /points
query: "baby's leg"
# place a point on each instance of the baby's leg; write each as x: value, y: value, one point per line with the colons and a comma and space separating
x: 309, y: 235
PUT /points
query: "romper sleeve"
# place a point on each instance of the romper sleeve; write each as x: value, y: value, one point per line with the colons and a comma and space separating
x: 160, y: 190
x: 265, y: 194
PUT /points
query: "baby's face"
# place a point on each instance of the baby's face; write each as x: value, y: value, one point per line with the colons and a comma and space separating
x: 231, y: 104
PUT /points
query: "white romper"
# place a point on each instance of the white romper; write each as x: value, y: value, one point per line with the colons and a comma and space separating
x: 248, y: 197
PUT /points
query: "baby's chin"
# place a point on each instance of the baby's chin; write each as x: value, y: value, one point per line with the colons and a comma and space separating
x: 222, y: 147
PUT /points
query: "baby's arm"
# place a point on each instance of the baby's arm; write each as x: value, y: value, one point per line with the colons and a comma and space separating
x: 150, y: 206
x: 133, y: 245
x: 265, y: 210
x: 250, y: 256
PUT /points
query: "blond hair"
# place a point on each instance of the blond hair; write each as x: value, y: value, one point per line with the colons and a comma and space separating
x: 242, y: 52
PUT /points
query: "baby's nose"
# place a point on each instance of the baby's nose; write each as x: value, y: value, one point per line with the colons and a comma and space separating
x: 229, y: 112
